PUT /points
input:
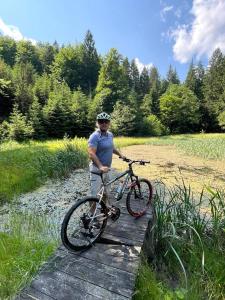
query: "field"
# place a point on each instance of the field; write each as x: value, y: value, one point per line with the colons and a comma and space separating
x: 177, y: 161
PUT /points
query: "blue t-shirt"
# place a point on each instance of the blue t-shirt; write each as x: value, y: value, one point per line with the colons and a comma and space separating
x: 103, y: 142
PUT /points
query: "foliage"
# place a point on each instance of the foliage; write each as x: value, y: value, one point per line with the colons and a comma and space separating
x: 179, y: 109
x: 214, y: 88
x: 19, y: 129
x: 152, y: 126
x: 29, y: 71
x: 186, y: 241
x: 8, y: 50
x: 25, y: 166
x: 26, y: 244
x: 221, y: 119
x: 123, y: 120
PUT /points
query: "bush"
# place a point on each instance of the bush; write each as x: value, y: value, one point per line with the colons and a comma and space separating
x: 19, y: 129
x: 153, y: 126
x: 4, y: 131
x: 221, y: 120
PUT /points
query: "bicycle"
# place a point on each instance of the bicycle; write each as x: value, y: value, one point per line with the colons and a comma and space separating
x: 87, y: 218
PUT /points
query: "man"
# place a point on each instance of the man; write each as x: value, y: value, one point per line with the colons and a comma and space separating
x: 101, y: 149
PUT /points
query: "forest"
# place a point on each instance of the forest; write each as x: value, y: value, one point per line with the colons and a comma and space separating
x: 52, y: 91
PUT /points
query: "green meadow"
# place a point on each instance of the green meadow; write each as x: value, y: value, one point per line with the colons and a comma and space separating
x: 183, y: 236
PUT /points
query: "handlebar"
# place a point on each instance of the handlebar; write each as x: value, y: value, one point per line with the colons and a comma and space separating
x: 130, y: 161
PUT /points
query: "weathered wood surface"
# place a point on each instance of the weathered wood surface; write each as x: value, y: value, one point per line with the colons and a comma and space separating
x: 106, y: 271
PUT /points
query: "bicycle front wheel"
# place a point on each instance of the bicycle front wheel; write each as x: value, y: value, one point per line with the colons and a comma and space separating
x: 139, y: 198
x: 83, y: 224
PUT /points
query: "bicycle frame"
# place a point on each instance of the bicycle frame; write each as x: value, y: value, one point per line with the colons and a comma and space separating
x: 128, y: 174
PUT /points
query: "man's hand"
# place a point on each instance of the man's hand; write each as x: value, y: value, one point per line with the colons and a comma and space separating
x: 104, y: 169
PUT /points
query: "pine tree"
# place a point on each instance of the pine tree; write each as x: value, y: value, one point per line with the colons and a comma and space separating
x: 144, y: 82
x: 135, y: 77
x: 109, y: 89
x: 154, y: 81
x: 37, y: 120
x: 172, y: 76
x: 214, y: 86
x: 91, y: 62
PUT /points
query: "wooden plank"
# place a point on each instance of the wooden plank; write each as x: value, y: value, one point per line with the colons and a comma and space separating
x: 108, y: 257
x: 110, y: 278
x: 31, y: 293
x: 64, y: 286
x: 124, y: 232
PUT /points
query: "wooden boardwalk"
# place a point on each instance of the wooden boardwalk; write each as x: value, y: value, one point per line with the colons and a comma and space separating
x: 106, y: 271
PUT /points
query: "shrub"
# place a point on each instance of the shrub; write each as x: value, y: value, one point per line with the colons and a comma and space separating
x: 153, y: 126
x: 221, y: 120
x: 19, y: 129
x: 4, y: 130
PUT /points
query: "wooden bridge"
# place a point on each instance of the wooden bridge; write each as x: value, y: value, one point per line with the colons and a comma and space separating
x: 106, y: 271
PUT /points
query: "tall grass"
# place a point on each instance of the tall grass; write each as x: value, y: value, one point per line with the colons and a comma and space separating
x: 189, y: 246
x: 24, y: 167
x: 209, y: 146
x: 25, y: 245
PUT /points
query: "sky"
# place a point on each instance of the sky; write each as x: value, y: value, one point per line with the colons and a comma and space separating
x: 153, y: 32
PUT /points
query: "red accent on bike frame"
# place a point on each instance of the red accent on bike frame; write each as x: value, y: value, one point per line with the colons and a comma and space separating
x: 136, y: 215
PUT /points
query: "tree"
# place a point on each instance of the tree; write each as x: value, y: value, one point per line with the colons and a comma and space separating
x: 179, y: 109
x: 69, y: 67
x: 172, y: 76
x: 91, y: 63
x: 27, y: 53
x: 46, y: 54
x: 214, y: 85
x: 135, y: 77
x: 154, y: 81
x: 7, y: 50
x: 37, y: 120
x: 109, y: 82
x: 144, y: 82
x: 221, y: 120
x: 146, y: 107
x: 80, y: 104
x: 6, y: 97
x: 123, y: 120
x: 43, y: 86
x: 152, y: 126
x: 191, y: 79
x: 19, y: 128
x: 58, y: 116
x: 23, y: 80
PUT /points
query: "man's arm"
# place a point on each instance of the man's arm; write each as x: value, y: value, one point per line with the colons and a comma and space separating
x: 94, y: 158
x: 117, y: 152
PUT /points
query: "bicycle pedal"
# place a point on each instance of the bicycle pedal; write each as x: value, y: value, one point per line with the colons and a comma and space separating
x: 116, y: 214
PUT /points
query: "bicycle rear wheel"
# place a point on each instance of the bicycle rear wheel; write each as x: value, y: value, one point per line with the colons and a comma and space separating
x: 83, y: 224
x: 139, y: 198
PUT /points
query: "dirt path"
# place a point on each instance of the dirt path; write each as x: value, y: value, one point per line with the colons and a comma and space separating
x: 169, y: 165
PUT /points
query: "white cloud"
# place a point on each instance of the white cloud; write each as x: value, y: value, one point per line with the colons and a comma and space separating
x: 141, y: 66
x: 164, y: 11
x: 13, y: 32
x: 204, y: 34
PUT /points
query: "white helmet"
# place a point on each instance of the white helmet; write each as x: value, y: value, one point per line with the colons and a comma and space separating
x: 103, y: 116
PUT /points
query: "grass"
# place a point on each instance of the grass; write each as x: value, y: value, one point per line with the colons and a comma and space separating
x: 188, y: 261
x: 25, y: 245
x: 210, y: 146
x: 24, y: 167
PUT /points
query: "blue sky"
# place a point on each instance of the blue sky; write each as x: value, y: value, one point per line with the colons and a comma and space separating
x: 159, y: 32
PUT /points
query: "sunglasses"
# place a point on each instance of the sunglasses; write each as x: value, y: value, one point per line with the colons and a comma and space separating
x: 103, y: 121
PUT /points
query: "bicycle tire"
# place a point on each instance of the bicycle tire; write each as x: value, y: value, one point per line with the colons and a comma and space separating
x: 138, y: 208
x: 69, y: 243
